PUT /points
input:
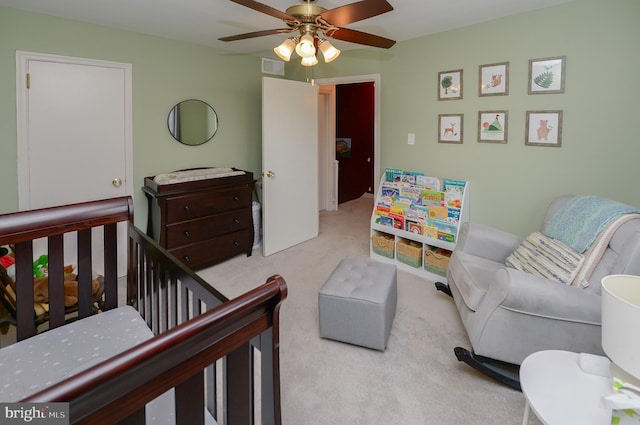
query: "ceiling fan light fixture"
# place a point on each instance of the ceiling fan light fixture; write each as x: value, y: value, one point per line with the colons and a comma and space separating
x: 305, y: 47
x: 285, y: 49
x: 309, y: 61
x: 329, y: 51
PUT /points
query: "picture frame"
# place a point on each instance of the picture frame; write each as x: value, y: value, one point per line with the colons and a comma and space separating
x: 450, y: 128
x: 493, y: 79
x: 450, y: 85
x: 493, y: 126
x: 343, y: 147
x: 543, y: 128
x: 547, y: 75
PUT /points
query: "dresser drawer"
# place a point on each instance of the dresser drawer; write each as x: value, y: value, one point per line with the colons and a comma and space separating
x: 188, y: 207
x: 192, y: 231
x: 214, y: 250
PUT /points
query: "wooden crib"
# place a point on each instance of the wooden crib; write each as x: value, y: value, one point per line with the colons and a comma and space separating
x: 202, y: 345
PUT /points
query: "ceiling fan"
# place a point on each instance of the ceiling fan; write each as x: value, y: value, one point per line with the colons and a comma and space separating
x: 314, y: 23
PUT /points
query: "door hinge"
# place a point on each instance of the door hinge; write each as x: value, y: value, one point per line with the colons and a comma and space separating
x: 28, y: 81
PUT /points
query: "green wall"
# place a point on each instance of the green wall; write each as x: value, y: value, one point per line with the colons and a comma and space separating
x: 511, y: 183
x: 164, y: 73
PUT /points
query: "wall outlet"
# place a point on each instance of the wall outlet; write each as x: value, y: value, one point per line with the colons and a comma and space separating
x: 411, y: 139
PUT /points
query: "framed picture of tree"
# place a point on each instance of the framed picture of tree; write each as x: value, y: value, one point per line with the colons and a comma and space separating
x: 450, y: 85
x: 546, y: 75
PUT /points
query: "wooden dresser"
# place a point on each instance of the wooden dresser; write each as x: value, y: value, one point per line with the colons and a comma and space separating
x: 202, y: 222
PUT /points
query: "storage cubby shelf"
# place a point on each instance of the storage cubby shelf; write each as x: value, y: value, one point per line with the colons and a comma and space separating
x: 382, y: 234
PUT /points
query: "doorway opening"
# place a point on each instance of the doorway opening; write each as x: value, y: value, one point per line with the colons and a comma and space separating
x: 329, y: 192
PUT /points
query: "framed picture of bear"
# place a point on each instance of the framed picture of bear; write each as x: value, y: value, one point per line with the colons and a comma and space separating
x: 544, y: 128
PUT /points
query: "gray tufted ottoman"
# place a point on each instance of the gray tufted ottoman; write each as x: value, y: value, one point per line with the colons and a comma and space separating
x: 358, y: 302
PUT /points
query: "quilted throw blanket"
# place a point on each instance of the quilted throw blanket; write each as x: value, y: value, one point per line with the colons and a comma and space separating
x: 579, y: 222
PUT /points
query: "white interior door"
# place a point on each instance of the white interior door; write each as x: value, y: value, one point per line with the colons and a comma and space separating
x: 289, y: 163
x: 74, y: 132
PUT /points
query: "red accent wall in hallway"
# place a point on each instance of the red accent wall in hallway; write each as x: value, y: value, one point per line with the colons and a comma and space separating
x: 354, y: 126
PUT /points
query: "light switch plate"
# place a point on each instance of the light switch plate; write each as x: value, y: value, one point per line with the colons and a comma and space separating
x: 411, y: 139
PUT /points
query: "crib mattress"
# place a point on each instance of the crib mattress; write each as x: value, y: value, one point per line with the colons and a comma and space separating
x: 47, y: 358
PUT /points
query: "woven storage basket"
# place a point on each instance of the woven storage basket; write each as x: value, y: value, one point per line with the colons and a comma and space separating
x: 436, y: 260
x: 410, y: 252
x: 382, y: 244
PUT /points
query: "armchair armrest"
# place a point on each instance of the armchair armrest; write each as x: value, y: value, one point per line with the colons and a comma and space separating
x: 535, y: 295
x: 487, y: 242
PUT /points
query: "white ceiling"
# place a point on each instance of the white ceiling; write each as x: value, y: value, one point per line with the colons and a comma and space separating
x: 204, y: 21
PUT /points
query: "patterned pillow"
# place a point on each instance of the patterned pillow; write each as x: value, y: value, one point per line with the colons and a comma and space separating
x: 543, y: 256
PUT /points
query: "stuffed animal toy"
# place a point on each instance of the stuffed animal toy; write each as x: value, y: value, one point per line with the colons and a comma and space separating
x: 6, y: 257
x: 41, y: 288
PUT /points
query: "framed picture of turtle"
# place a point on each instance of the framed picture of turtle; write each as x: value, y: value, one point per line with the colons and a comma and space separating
x: 492, y: 126
x: 546, y: 75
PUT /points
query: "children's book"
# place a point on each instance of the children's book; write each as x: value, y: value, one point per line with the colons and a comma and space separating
x: 384, y: 220
x: 390, y: 172
x: 389, y: 190
x: 438, y: 211
x: 412, y: 193
x: 431, y: 197
x: 453, y: 192
x: 431, y: 183
x: 412, y: 226
x: 398, y: 221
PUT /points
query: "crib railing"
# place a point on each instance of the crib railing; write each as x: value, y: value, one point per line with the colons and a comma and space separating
x: 199, y: 332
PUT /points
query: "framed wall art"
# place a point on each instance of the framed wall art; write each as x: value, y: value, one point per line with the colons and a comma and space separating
x: 494, y: 79
x: 547, y: 75
x: 450, y: 85
x: 492, y: 126
x: 450, y: 128
x: 543, y: 128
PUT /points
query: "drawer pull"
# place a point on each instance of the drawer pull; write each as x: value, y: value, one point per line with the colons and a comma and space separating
x: 237, y: 221
x: 236, y: 198
x: 186, y: 259
x: 187, y: 208
x: 187, y: 233
x: 236, y: 243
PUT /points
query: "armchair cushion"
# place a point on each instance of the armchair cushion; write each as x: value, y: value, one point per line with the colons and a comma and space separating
x: 546, y: 257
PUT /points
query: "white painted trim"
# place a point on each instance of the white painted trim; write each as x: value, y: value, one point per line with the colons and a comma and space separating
x: 22, y: 105
x: 375, y: 78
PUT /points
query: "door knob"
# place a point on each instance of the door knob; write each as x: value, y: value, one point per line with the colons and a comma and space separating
x: 270, y: 174
x: 117, y: 182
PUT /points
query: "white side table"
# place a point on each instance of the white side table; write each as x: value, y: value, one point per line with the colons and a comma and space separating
x: 559, y: 392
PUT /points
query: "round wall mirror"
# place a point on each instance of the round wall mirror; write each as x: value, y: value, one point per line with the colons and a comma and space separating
x: 192, y: 122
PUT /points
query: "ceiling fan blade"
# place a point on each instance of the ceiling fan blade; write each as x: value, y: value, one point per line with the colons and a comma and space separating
x: 355, y: 12
x: 353, y: 36
x: 256, y: 34
x: 251, y: 4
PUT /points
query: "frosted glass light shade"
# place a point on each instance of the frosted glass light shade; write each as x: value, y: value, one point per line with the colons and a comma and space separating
x: 305, y: 47
x: 328, y: 51
x: 285, y: 50
x: 621, y: 321
x: 310, y: 61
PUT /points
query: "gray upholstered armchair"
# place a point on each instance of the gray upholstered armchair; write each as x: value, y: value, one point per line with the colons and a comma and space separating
x: 509, y: 313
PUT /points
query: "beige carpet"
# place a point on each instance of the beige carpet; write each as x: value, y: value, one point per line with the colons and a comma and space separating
x: 417, y: 380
